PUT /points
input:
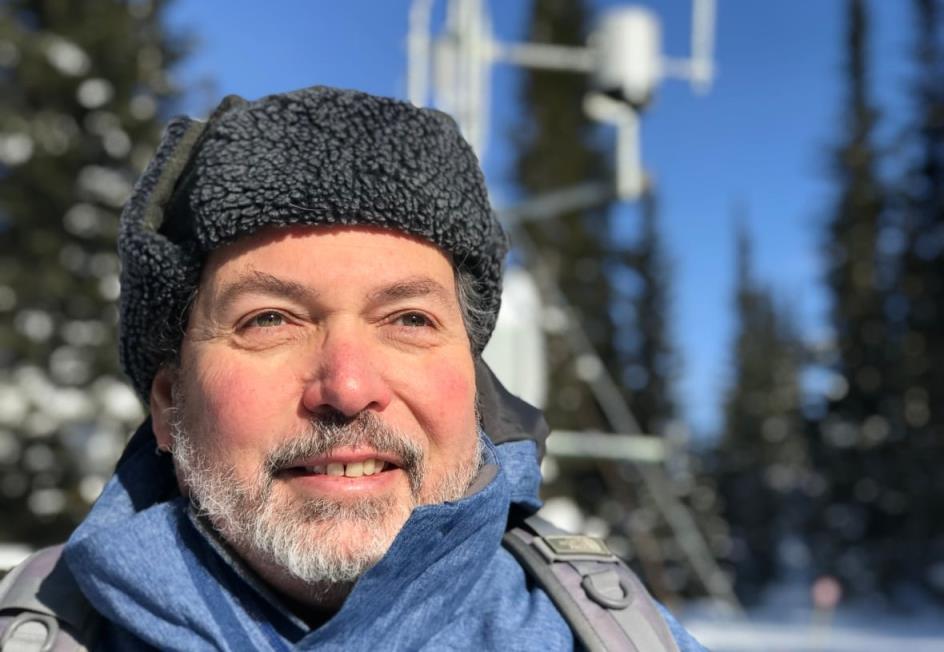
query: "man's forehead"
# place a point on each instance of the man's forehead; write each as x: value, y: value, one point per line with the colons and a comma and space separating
x: 254, y: 281
x: 300, y: 262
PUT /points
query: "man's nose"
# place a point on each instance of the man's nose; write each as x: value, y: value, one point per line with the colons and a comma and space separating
x: 347, y: 378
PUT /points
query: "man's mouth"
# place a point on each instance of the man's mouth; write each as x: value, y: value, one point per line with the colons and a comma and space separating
x: 350, y: 455
x: 357, y: 465
x: 351, y: 470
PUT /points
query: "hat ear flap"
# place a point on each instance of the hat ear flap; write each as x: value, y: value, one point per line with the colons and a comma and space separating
x: 145, y: 209
x: 156, y: 274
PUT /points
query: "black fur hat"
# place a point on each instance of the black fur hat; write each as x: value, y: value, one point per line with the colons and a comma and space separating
x: 314, y: 156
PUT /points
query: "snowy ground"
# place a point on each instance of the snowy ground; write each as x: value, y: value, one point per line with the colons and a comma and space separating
x: 787, y: 623
x: 762, y: 636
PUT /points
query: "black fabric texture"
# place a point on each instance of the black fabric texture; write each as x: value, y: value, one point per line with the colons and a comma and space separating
x: 505, y: 417
x: 316, y: 156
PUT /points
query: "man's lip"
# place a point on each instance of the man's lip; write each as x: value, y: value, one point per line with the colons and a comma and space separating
x: 344, y: 457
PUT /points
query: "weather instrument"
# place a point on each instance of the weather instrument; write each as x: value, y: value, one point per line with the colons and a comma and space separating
x: 623, y: 57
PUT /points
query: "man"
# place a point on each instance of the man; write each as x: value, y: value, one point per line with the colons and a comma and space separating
x: 308, y: 281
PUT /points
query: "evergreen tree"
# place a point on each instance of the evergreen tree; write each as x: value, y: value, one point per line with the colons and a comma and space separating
x: 84, y: 90
x: 860, y: 443
x: 762, y: 455
x: 852, y: 259
x: 647, y: 357
x: 555, y: 149
x: 921, y: 323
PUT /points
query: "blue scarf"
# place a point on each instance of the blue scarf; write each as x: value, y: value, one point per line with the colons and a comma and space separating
x: 446, y: 582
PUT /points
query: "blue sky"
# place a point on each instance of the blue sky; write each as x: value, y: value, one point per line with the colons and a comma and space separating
x: 760, y: 139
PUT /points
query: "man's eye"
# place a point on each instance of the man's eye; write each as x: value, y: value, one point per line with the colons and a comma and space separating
x: 414, y: 320
x: 267, y: 320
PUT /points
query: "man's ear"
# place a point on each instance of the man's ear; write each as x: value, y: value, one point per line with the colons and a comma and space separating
x: 161, y: 400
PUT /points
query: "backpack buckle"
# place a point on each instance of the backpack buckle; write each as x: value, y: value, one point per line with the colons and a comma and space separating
x: 30, y: 628
x: 608, y: 589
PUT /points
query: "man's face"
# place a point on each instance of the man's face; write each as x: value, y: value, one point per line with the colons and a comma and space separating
x: 326, y: 387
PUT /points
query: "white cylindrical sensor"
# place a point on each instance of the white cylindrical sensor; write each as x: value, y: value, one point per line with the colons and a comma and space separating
x: 628, y: 46
x: 516, y: 351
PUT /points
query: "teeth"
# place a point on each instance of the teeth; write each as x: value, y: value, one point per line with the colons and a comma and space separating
x: 352, y: 470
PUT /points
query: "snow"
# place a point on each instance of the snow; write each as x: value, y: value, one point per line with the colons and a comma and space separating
x: 886, y: 636
x: 786, y: 621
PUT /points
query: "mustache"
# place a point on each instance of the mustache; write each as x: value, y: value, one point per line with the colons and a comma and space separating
x: 331, y: 431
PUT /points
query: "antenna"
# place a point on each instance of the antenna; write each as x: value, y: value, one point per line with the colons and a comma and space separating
x: 703, y: 44
x: 623, y: 55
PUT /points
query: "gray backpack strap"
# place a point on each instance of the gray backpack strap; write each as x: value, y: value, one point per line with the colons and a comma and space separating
x: 598, y: 595
x: 42, y: 608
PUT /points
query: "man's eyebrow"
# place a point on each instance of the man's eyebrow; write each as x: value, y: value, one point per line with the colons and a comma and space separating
x: 419, y: 286
x: 263, y: 283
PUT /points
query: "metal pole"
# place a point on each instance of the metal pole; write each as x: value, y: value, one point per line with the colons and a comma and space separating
x: 630, y: 177
x: 703, y: 35
x: 418, y: 49
x: 558, y: 202
x: 548, y: 57
x: 589, y: 445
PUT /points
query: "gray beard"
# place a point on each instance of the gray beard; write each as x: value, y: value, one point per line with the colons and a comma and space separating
x: 320, y: 541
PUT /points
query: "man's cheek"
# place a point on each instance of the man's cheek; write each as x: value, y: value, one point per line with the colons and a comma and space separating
x: 233, y: 402
x: 450, y: 391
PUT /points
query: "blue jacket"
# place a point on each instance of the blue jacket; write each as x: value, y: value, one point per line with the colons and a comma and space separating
x: 160, y: 581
